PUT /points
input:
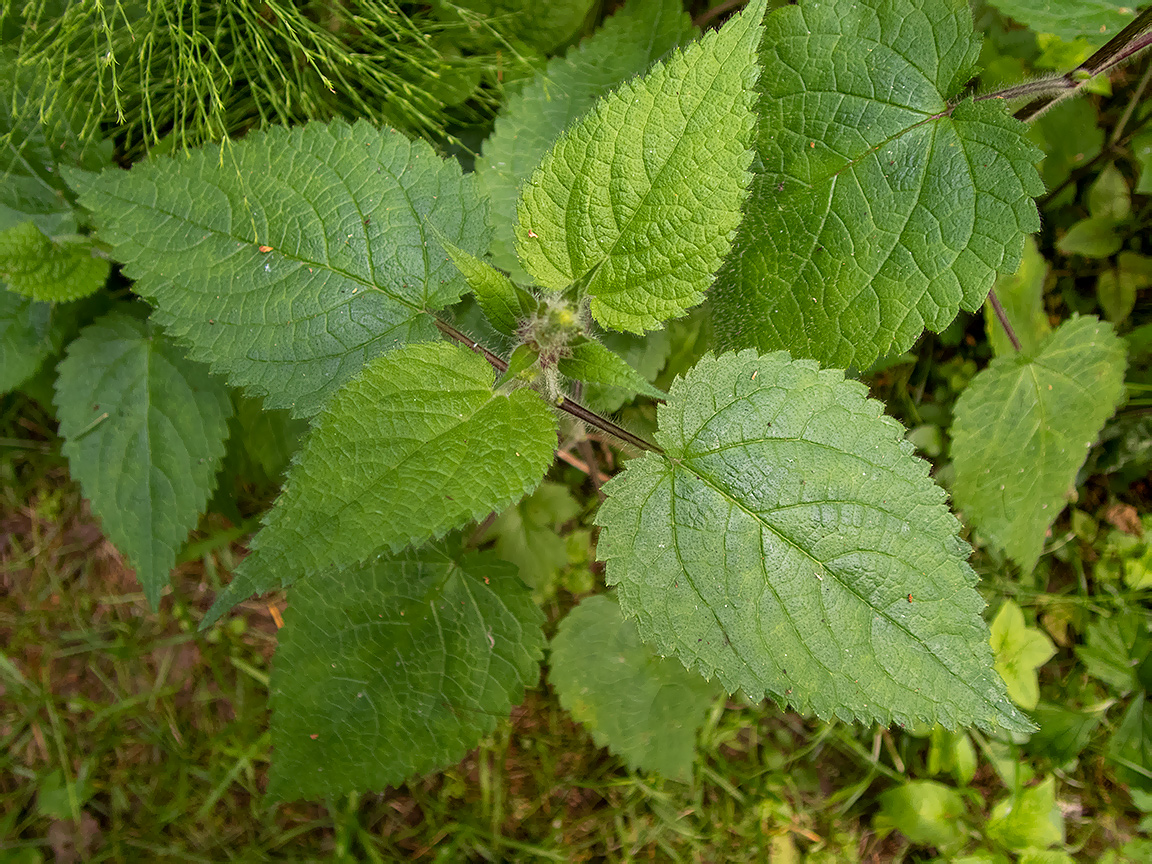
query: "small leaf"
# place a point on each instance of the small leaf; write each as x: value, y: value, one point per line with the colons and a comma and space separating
x: 1023, y: 428
x: 880, y: 206
x: 395, y: 669
x: 291, y: 258
x: 1112, y: 649
x: 1070, y: 137
x: 414, y: 446
x: 592, y: 362
x: 1116, y: 287
x: 42, y: 268
x: 1094, y: 237
x: 494, y: 291
x: 789, y: 543
x: 640, y: 198
x: 925, y: 812
x: 1108, y: 196
x: 646, y: 354
x: 644, y: 708
x: 1030, y: 817
x: 1020, y: 650
x: 30, y: 333
x: 526, y: 535
x: 1142, y: 151
x: 1096, y: 20
x: 1130, y: 747
x: 523, y: 358
x: 637, y: 34
x: 1063, y: 733
x: 144, y: 432
x: 1022, y: 296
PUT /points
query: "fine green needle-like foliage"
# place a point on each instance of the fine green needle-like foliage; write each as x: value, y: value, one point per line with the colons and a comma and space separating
x: 397, y: 668
x: 639, y: 199
x: 790, y: 544
x: 1097, y: 21
x: 645, y: 708
x: 416, y: 445
x: 880, y: 206
x: 640, y: 32
x: 44, y: 268
x: 1023, y: 428
x: 144, y: 433
x: 291, y: 258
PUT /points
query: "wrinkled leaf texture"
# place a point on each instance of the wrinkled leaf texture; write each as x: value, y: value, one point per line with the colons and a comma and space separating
x: 879, y: 206
x: 789, y: 543
x: 292, y: 257
x: 414, y: 446
x: 397, y: 668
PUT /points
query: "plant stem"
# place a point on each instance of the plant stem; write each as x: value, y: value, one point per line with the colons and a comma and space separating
x: 567, y: 405
x: 1003, y: 319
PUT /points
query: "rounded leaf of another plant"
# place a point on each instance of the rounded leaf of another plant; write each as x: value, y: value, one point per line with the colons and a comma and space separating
x: 790, y: 543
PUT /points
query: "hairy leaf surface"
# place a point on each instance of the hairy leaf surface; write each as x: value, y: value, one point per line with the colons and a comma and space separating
x: 294, y: 256
x: 592, y: 362
x: 640, y: 32
x: 789, y: 543
x: 395, y: 669
x: 144, y: 431
x: 414, y: 446
x: 879, y: 207
x: 641, y: 197
x: 493, y: 290
x: 1023, y: 428
x: 40, y: 267
x: 644, y: 708
x: 1094, y: 20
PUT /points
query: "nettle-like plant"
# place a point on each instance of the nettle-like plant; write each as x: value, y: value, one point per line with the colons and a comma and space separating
x: 822, y: 168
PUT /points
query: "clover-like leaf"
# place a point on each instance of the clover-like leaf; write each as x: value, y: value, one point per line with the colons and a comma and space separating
x: 638, y: 201
x: 414, y: 446
x: 638, y: 33
x: 1094, y: 20
x: 644, y: 708
x: 294, y: 256
x: 397, y: 668
x: 879, y: 206
x: 1020, y: 650
x: 790, y: 543
x: 1023, y: 428
x: 144, y: 431
x: 44, y: 268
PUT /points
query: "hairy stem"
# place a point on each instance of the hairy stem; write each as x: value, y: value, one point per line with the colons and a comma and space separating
x: 566, y: 405
x: 1003, y: 319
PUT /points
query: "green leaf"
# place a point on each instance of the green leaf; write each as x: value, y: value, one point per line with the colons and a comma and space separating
x: 590, y: 361
x: 640, y: 198
x: 1069, y: 136
x: 640, y: 32
x: 1020, y: 650
x: 925, y: 812
x: 879, y: 207
x: 526, y: 535
x: 1022, y: 296
x: 1116, y: 287
x: 269, y: 438
x: 144, y: 432
x: 1063, y: 734
x: 1112, y: 650
x: 1108, y: 196
x: 493, y: 290
x: 414, y: 446
x: 1023, y: 428
x: 30, y: 333
x: 396, y: 669
x: 543, y: 26
x: 646, y: 354
x: 1094, y: 237
x: 1030, y: 817
x: 789, y: 543
x: 291, y: 258
x: 522, y: 359
x: 952, y: 752
x: 644, y: 708
x: 1130, y: 747
x: 1095, y: 20
x: 1142, y: 152
x: 43, y: 268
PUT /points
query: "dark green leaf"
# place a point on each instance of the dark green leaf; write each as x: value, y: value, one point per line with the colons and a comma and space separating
x: 395, y: 669
x: 30, y: 332
x: 291, y: 258
x: 1130, y: 747
x: 526, y: 535
x: 144, y: 432
x: 880, y: 205
x: 1095, y: 20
